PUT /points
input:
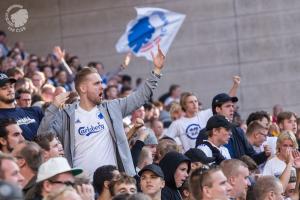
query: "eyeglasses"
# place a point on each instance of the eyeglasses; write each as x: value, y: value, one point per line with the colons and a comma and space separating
x: 67, y: 183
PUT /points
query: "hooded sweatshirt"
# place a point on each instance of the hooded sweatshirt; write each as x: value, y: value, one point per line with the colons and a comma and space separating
x: 169, y: 164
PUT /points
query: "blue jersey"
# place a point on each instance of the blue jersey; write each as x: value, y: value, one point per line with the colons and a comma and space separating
x: 28, y: 119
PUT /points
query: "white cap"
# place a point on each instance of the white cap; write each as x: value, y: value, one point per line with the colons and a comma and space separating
x: 55, y: 166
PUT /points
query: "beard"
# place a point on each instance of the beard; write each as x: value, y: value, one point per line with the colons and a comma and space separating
x: 6, y: 100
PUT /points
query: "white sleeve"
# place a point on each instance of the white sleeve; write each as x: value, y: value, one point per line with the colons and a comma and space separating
x: 205, y: 149
x: 205, y: 115
x: 172, y: 131
x: 268, y: 168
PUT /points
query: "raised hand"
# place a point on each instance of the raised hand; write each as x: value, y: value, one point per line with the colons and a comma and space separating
x: 236, y: 80
x: 60, y: 99
x: 158, y: 60
x: 126, y: 61
x: 296, y: 155
x: 86, y: 191
x: 60, y: 55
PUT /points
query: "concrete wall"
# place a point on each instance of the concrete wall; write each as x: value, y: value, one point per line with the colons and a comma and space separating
x: 257, y: 39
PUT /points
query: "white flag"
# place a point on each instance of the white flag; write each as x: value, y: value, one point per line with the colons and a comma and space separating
x: 151, y: 26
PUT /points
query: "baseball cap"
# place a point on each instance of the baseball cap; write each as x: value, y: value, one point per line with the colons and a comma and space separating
x: 197, y: 155
x: 153, y: 168
x: 4, y: 79
x: 218, y: 121
x: 222, y: 98
x: 55, y: 166
x: 10, y: 191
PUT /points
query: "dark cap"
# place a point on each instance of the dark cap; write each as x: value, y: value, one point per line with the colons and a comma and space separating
x: 218, y: 121
x: 153, y: 168
x: 219, y: 99
x: 4, y: 79
x: 197, y: 155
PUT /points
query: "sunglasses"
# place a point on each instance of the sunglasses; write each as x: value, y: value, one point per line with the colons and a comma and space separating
x: 67, y: 183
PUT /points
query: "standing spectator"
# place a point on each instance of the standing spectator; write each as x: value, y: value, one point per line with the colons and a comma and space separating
x: 28, y: 118
x: 198, y: 158
x: 174, y: 92
x: 238, y: 145
x: 276, y: 110
x: 187, y: 128
x: 38, y: 80
x: 93, y: 124
x: 176, y: 168
x: 287, y: 121
x: 218, y: 130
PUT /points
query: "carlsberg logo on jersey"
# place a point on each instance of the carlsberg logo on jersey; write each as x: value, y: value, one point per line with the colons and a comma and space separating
x: 87, y: 131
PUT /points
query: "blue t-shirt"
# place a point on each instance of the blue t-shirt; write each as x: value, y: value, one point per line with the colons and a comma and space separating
x: 28, y: 119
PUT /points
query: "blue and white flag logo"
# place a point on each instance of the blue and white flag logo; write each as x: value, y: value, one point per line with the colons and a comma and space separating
x: 151, y: 26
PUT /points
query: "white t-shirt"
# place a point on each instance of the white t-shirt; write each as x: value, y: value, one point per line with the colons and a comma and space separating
x: 93, y: 143
x: 223, y: 150
x: 187, y: 129
x: 275, y: 167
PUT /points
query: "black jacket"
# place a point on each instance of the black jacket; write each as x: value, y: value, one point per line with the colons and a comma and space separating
x: 237, y: 146
x: 169, y: 164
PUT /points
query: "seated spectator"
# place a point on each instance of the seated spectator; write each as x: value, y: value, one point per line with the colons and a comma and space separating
x: 158, y: 128
x: 165, y: 146
x: 10, y: 135
x: 10, y: 171
x: 50, y: 144
x: 62, y: 80
x: 123, y: 184
x: 102, y: 178
x: 10, y: 191
x: 63, y: 193
x: 286, y: 142
x: 29, y: 158
x: 268, y: 187
x: 53, y: 175
x: 198, y: 158
x: 23, y: 98
x: 209, y: 184
x: 237, y: 174
x: 152, y: 181
x: 145, y: 158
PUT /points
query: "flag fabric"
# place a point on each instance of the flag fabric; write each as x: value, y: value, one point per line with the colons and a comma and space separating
x: 150, y: 27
